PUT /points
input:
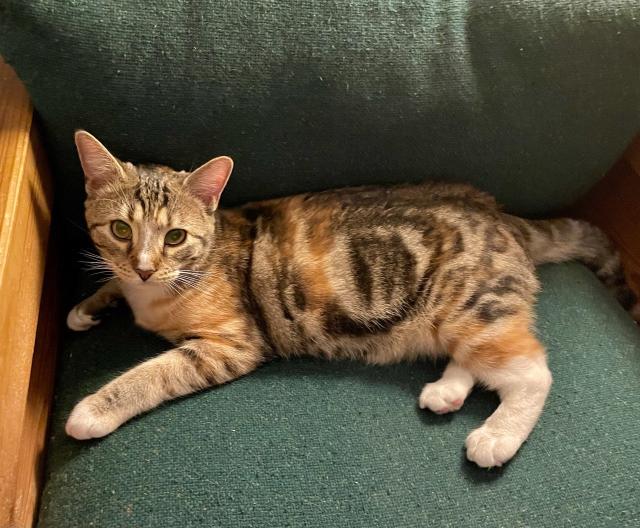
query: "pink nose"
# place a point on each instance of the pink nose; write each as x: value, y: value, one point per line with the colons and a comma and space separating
x: 144, y: 274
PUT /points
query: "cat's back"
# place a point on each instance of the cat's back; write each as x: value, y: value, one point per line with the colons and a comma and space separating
x: 370, y: 206
x: 401, y: 197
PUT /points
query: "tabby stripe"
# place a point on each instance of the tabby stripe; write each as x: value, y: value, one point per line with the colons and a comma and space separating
x: 298, y: 294
x: 167, y: 383
x: 203, y: 367
x: 199, y: 237
x: 458, y: 243
x: 96, y: 225
x: 165, y: 196
x: 361, y: 270
x: 232, y: 368
x: 339, y: 323
x: 111, y: 396
x: 495, y: 239
x: 490, y: 311
x: 404, y: 264
x: 503, y: 286
x: 253, y: 307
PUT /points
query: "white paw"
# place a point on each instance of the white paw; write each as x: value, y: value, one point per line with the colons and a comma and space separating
x: 443, y: 396
x: 489, y: 448
x: 85, y: 422
x: 79, y: 320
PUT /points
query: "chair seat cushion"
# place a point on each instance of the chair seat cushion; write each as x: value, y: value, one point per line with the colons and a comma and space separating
x: 317, y: 444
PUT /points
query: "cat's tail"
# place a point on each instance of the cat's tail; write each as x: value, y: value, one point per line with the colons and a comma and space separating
x: 565, y: 239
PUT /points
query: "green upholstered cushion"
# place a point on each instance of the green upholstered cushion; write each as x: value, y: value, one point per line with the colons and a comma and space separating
x: 314, y: 444
x: 532, y: 101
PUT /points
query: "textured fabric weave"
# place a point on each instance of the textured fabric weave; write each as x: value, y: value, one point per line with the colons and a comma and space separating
x: 313, y: 444
x: 531, y: 101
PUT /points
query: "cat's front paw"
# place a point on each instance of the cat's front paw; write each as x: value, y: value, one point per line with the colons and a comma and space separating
x: 489, y: 448
x: 86, y: 421
x: 79, y: 320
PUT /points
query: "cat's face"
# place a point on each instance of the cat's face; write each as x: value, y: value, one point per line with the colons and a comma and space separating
x: 151, y: 224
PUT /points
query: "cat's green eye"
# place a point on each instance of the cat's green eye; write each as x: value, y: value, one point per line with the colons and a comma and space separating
x: 175, y: 237
x: 121, y: 230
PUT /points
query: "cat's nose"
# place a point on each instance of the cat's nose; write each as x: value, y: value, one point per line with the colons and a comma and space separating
x: 145, y: 273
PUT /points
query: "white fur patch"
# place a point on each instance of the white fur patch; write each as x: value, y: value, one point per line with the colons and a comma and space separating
x: 523, y: 386
x: 140, y: 296
x: 449, y: 392
x: 84, y: 423
x: 79, y: 320
x: 489, y: 448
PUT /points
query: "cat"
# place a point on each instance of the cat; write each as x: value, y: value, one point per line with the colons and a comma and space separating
x: 370, y: 273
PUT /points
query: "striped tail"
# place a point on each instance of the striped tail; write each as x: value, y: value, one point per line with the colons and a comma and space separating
x: 565, y: 239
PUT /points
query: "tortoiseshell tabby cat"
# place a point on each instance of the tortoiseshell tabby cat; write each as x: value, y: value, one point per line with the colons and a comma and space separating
x: 378, y: 274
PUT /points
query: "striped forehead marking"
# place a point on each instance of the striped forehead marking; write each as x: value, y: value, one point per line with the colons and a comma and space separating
x: 151, y: 198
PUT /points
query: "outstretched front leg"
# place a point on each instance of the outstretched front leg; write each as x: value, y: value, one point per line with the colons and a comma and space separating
x: 195, y: 365
x: 84, y: 314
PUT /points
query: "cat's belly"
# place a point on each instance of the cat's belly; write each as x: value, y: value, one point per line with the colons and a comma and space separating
x: 405, y: 341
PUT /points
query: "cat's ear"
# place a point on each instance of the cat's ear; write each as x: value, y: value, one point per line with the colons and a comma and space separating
x: 208, y: 181
x: 99, y: 165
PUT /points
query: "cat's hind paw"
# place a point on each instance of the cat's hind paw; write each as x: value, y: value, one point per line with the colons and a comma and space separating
x: 79, y: 321
x: 85, y: 422
x: 489, y: 448
x: 443, y: 396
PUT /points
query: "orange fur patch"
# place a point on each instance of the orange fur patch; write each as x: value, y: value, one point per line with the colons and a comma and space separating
x: 315, y: 282
x: 514, y: 340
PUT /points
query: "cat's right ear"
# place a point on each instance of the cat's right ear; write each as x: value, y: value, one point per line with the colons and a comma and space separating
x: 99, y: 165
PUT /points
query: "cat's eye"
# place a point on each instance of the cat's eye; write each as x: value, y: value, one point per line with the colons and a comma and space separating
x: 175, y: 237
x: 121, y: 230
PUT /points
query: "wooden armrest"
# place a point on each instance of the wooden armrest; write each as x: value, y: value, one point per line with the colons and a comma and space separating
x: 613, y: 204
x: 27, y: 318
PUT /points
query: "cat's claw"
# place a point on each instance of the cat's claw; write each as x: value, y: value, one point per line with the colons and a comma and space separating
x: 85, y: 423
x: 79, y: 321
x: 489, y: 448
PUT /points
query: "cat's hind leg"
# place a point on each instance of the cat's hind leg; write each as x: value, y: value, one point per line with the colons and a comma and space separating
x: 449, y: 392
x: 509, y: 359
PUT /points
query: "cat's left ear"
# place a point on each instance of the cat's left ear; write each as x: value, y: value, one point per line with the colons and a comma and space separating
x: 209, y: 180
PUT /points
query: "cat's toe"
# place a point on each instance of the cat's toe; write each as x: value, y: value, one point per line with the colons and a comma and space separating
x: 488, y: 448
x: 442, y: 397
x: 79, y: 321
x: 85, y: 422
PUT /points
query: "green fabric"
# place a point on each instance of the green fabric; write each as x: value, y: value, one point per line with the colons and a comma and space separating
x: 314, y: 444
x: 532, y: 101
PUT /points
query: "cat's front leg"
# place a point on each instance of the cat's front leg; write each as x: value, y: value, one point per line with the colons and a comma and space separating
x: 84, y: 314
x: 195, y: 365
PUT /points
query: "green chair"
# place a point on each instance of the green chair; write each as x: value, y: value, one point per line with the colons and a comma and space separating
x: 532, y: 101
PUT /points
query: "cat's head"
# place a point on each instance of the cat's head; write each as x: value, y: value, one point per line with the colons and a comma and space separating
x: 150, y: 223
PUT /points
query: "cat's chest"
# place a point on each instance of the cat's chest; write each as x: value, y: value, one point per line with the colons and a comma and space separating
x: 151, y: 305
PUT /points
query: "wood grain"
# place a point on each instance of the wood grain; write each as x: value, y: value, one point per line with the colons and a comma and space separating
x: 25, y: 217
x: 613, y: 204
x: 39, y: 398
